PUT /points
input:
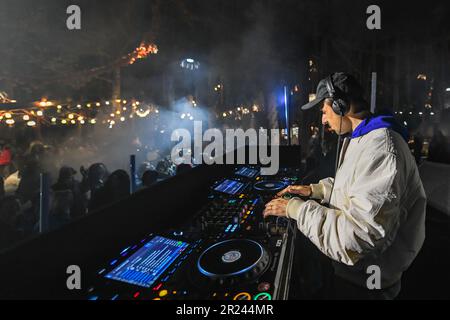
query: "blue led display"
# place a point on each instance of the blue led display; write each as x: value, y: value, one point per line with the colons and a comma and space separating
x: 147, y: 264
x: 229, y: 186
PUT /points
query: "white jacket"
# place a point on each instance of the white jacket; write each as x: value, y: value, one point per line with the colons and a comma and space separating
x: 376, y: 214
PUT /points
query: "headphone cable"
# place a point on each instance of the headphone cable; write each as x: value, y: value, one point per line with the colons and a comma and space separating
x: 338, y: 147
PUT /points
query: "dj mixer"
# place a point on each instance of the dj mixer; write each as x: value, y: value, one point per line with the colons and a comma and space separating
x: 227, y: 251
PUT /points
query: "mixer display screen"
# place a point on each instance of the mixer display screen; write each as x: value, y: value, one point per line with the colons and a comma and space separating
x: 230, y: 187
x: 147, y: 264
x: 247, y: 172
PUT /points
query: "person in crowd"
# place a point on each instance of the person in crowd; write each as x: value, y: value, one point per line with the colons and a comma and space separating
x: 182, y: 168
x: 439, y: 149
x: 116, y: 187
x: 149, y: 178
x: 5, y: 159
x: 67, y: 183
x: 93, y: 180
x: 10, y: 210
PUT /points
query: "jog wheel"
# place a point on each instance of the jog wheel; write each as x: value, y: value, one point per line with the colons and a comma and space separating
x: 232, y: 261
x: 269, y: 186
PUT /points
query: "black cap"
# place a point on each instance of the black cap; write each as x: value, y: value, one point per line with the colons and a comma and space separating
x: 345, y: 85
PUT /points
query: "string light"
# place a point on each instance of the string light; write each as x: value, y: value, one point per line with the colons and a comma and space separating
x: 10, y: 121
x: 53, y: 120
x: 40, y: 113
x: 31, y: 123
x: 26, y: 117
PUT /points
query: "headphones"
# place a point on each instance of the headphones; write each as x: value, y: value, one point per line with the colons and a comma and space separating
x: 340, y: 105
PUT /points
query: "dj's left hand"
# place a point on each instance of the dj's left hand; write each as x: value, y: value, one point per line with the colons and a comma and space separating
x: 276, y: 207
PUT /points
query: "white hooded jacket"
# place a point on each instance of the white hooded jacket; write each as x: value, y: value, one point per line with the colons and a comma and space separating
x: 376, y: 215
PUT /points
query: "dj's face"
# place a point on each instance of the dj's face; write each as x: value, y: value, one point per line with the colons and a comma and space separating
x: 339, y: 124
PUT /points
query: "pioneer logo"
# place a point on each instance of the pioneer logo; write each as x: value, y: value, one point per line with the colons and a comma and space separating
x: 231, y: 256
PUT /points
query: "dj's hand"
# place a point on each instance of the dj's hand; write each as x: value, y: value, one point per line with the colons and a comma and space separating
x: 304, y: 191
x: 276, y: 207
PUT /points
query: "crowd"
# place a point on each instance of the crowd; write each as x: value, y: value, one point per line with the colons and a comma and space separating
x: 72, y: 194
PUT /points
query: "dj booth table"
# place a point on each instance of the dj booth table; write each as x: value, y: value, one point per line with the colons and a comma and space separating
x: 199, y: 235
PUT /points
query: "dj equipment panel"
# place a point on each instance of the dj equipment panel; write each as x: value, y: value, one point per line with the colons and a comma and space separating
x: 226, y: 251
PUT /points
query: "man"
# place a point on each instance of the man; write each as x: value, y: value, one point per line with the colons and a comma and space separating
x: 373, y: 212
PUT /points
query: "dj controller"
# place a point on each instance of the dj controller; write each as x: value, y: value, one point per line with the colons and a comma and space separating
x: 227, y: 251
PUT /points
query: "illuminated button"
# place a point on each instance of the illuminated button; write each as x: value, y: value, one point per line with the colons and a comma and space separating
x: 157, y: 287
x: 136, y: 295
x: 156, y: 298
x: 163, y: 293
x: 243, y: 296
x: 226, y: 294
x: 174, y: 292
x: 241, y: 196
x: 214, y: 294
x: 263, y: 286
x: 263, y: 296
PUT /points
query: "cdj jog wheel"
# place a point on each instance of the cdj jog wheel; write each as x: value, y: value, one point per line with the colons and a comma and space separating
x: 269, y: 186
x: 233, y: 260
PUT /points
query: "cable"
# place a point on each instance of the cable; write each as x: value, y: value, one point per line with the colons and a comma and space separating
x: 337, y: 158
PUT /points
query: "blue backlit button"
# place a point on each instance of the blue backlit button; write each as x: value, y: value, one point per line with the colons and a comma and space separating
x: 263, y: 286
x: 242, y: 296
x: 101, y: 271
x: 93, y: 298
x: 115, y: 297
x: 263, y: 296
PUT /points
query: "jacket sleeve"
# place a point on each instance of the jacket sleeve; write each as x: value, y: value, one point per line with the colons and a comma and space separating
x: 368, y: 218
x: 322, y: 190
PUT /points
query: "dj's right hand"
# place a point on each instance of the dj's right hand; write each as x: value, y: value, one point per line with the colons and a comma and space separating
x: 304, y: 191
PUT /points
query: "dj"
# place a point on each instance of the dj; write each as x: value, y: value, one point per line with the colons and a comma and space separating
x: 372, y: 213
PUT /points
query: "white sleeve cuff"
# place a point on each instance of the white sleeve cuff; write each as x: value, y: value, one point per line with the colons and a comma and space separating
x: 317, y: 191
x: 293, y: 208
